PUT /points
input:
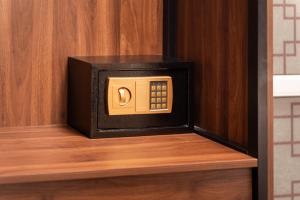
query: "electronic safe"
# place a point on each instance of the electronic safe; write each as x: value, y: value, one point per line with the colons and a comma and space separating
x: 129, y: 95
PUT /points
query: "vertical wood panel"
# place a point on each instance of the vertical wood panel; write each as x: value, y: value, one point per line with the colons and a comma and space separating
x: 37, y: 36
x: 98, y: 22
x: 237, y: 68
x: 64, y: 44
x: 18, y: 78
x: 141, y: 27
x: 108, y: 24
x: 213, y: 33
x: 5, y: 49
x: 41, y: 62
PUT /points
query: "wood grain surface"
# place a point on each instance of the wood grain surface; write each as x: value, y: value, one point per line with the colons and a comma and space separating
x: 213, y: 33
x: 208, y: 185
x: 37, y: 36
x: 142, y: 35
x: 60, y: 153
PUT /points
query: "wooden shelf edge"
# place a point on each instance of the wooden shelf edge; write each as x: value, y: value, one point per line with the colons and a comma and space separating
x: 96, y: 174
x: 74, y: 157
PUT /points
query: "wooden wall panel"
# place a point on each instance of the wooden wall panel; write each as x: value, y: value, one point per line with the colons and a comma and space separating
x: 237, y: 70
x: 5, y: 49
x: 225, y: 185
x: 213, y: 33
x: 41, y: 77
x: 141, y: 25
x: 37, y: 36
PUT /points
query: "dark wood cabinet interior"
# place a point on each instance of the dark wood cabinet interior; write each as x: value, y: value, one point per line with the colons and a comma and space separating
x: 214, y: 34
x: 227, y: 40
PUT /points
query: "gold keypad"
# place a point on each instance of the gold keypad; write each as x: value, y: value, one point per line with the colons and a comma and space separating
x: 158, y: 91
x: 139, y: 95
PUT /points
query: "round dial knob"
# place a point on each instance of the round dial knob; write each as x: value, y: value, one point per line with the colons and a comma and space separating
x: 124, y: 96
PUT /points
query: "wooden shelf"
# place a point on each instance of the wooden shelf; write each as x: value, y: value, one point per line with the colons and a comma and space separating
x: 35, y: 154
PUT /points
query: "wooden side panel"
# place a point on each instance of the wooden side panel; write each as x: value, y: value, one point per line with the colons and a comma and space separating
x: 237, y: 67
x: 5, y: 51
x: 213, y: 33
x: 141, y: 27
x: 37, y: 36
x: 225, y: 185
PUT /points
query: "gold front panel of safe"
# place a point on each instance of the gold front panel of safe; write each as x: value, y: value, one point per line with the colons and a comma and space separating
x: 139, y: 95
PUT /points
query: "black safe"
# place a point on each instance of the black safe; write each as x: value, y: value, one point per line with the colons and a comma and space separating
x: 119, y: 96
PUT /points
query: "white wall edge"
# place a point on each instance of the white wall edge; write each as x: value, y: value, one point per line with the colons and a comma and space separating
x: 286, y: 85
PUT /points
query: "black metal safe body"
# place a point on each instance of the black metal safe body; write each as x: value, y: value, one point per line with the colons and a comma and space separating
x: 88, y: 95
